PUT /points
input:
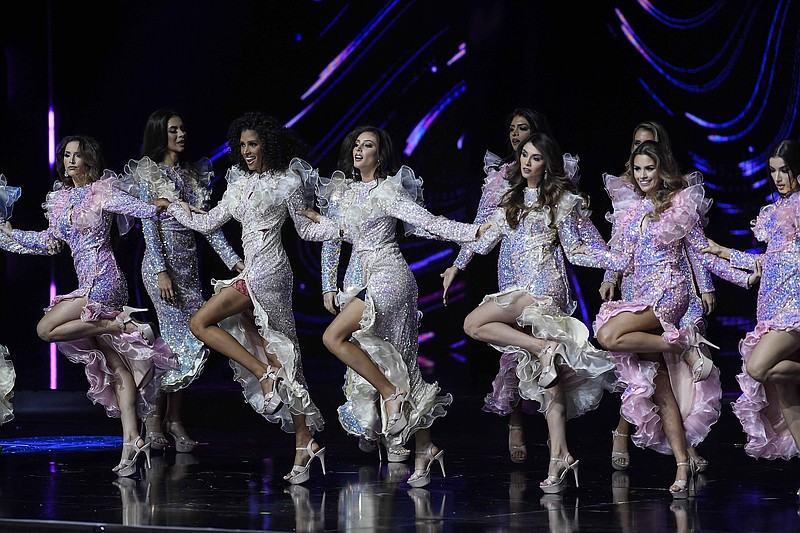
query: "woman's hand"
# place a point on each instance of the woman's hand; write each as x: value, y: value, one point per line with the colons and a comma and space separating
x: 329, y: 301
x: 447, y: 279
x: 716, y: 249
x: 310, y: 214
x: 165, y: 288
x: 239, y: 267
x: 755, y: 277
x: 161, y: 205
x: 6, y: 228
x: 483, y: 229
x: 709, y: 301
x: 607, y: 291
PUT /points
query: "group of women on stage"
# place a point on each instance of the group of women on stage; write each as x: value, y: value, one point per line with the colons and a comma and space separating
x: 653, y: 348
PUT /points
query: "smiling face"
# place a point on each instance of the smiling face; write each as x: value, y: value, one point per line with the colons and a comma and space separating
x: 531, y: 164
x: 74, y: 164
x: 518, y: 131
x: 252, y: 150
x: 365, y: 155
x: 782, y: 176
x: 646, y: 174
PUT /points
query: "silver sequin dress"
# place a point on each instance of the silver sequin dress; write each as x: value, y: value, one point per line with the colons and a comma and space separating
x: 369, y: 213
x: 82, y: 218
x: 7, y: 379
x: 171, y: 247
x: 261, y: 203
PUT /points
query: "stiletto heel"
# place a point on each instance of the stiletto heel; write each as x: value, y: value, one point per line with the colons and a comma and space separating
x: 301, y: 474
x: 549, y: 376
x: 556, y: 484
x: 616, y: 456
x: 127, y: 467
x: 272, y: 399
x: 151, y: 436
x: 703, y: 366
x: 514, y: 449
x: 699, y: 464
x: 395, y: 451
x: 682, y: 484
x: 422, y: 476
x: 183, y: 443
x: 145, y: 329
x: 392, y: 425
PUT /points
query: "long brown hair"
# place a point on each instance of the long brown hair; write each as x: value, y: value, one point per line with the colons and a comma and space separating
x: 91, y: 154
x: 551, y: 187
x: 672, y: 181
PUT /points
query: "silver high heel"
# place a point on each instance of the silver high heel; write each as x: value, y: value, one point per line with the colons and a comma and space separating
x: 395, y: 451
x: 301, y: 474
x: 422, y: 476
x: 151, y: 436
x: 183, y: 444
x: 520, y: 449
x: 682, y: 484
x: 556, y: 484
x: 699, y: 464
x: 145, y: 329
x: 127, y: 467
x: 703, y: 366
x: 392, y: 425
x: 549, y: 376
x: 272, y: 400
x: 616, y: 456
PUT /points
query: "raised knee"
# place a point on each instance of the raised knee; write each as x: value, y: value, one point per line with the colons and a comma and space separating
x: 331, y: 341
x: 606, y: 339
x: 471, y: 327
x: 757, y: 372
x: 197, y: 327
x: 44, y: 333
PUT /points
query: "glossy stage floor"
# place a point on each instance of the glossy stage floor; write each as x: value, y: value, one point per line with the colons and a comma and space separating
x: 58, y: 452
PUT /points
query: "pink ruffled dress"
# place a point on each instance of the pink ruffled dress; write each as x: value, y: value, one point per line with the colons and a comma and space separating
x: 536, y: 250
x: 778, y: 309
x: 82, y: 218
x: 654, y: 249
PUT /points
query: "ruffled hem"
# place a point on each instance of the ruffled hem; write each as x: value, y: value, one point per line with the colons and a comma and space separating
x: 7, y: 379
x: 8, y: 195
x: 700, y: 403
x: 758, y: 407
x: 505, y: 389
x: 585, y: 372
x: 249, y: 328
x: 147, y: 364
x: 192, y: 365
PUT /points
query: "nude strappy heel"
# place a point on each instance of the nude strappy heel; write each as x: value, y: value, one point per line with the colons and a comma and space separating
x: 301, y: 474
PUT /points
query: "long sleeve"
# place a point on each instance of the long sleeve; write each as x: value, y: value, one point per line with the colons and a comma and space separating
x: 307, y: 229
x: 123, y: 203
x: 491, y: 192
x: 27, y: 242
x: 151, y: 229
x: 701, y: 275
x: 223, y: 248
x: 492, y: 236
x: 439, y: 227
x: 329, y: 264
x: 572, y: 231
x: 202, y: 222
x: 743, y: 260
x: 695, y: 241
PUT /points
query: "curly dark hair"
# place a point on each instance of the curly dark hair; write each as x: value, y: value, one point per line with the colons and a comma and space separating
x: 789, y: 151
x: 387, y: 159
x: 155, y: 139
x: 280, y: 144
x: 551, y: 187
x: 672, y: 181
x: 91, y: 154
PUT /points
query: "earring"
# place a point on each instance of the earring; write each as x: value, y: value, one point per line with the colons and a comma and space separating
x: 66, y: 174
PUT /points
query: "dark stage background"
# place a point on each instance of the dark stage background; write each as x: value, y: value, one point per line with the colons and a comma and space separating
x: 441, y: 76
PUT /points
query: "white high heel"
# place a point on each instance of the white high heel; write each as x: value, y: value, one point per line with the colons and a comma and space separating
x: 703, y: 366
x: 617, y: 457
x: 556, y: 484
x: 550, y: 376
x: 301, y: 474
x: 422, y: 476
x: 127, y: 467
x: 145, y: 329
x: 392, y: 425
x: 272, y: 400
x: 682, y: 485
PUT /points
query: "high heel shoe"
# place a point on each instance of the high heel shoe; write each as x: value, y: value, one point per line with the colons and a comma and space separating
x: 127, y: 467
x: 301, y: 474
x: 272, y: 399
x: 517, y: 452
x: 392, y: 425
x: 395, y: 451
x: 422, y: 476
x: 616, y: 457
x: 703, y: 366
x: 682, y: 485
x: 156, y: 439
x: 183, y: 443
x: 549, y: 376
x: 145, y: 329
x: 556, y: 484
x: 699, y: 464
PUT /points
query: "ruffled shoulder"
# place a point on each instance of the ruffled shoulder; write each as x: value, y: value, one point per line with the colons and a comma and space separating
x: 307, y: 176
x: 571, y: 167
x: 233, y: 193
x: 622, y: 193
x: 57, y: 198
x: 330, y: 191
x: 786, y: 215
x: 491, y: 162
x: 689, y: 208
x: 8, y: 195
x: 89, y: 212
x: 267, y: 189
x: 405, y: 182
x: 146, y: 172
x: 567, y: 203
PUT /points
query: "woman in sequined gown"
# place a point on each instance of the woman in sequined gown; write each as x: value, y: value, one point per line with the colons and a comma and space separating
x: 170, y: 270
x: 644, y: 333
x: 124, y: 361
x: 769, y: 406
x: 504, y: 399
x: 7, y: 378
x: 529, y: 321
x: 698, y: 279
x: 376, y: 332
x: 249, y: 318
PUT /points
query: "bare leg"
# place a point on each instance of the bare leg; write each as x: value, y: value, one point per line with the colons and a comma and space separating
x: 556, y: 417
x: 154, y: 423
x: 174, y: 422
x: 775, y: 358
x: 620, y: 456
x: 491, y: 323
x: 516, y: 435
x: 302, y: 436
x: 222, y: 305
x: 63, y: 323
